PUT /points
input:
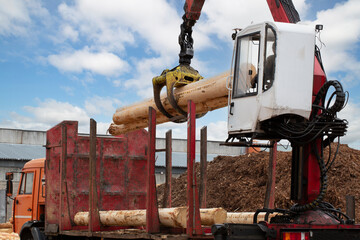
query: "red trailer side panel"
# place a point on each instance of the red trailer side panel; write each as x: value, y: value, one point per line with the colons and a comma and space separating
x: 120, y: 174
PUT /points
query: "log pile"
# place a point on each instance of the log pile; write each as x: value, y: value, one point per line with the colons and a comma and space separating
x: 6, y: 227
x: 6, y: 232
x: 208, y: 94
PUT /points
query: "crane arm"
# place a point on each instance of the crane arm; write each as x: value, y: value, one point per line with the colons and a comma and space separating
x: 283, y: 11
x: 192, y: 10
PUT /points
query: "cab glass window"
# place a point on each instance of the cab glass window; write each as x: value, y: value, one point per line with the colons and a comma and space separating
x: 26, y: 185
x: 246, y: 65
x: 269, y: 59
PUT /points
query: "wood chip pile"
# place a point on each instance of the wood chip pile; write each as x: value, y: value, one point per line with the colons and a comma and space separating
x: 239, y: 183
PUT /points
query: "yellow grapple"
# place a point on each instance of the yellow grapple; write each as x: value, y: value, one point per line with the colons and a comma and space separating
x: 177, y: 77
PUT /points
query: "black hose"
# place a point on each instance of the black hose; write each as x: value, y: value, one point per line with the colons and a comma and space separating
x: 339, y: 100
x: 321, y: 124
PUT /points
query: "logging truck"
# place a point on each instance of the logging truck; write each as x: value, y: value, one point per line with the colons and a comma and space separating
x: 104, y: 187
x: 91, y: 187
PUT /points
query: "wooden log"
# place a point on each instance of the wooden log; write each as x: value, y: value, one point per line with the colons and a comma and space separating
x: 246, y: 217
x: 114, y: 218
x: 117, y: 129
x: 169, y: 217
x: 9, y: 236
x: 6, y: 230
x: 199, y: 92
x: 6, y: 225
x: 211, y: 216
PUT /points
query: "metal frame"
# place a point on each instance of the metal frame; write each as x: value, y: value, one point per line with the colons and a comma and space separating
x: 152, y: 211
x: 203, y: 166
x: 270, y: 186
x: 168, y: 159
x: 193, y: 220
x: 94, y: 216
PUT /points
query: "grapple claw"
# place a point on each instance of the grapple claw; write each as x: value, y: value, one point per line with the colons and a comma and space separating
x: 176, y: 77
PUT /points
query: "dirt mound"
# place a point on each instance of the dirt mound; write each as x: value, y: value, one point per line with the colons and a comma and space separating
x: 239, y: 183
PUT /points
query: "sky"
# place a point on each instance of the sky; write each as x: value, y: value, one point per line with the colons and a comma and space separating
x: 82, y: 59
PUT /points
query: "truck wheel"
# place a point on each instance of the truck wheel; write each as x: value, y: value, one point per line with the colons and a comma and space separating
x: 26, y: 235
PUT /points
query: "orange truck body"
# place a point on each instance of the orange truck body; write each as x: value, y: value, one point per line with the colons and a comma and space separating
x: 29, y: 203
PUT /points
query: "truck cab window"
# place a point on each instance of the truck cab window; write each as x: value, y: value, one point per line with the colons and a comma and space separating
x: 269, y: 60
x: 27, y: 181
x: 246, y: 65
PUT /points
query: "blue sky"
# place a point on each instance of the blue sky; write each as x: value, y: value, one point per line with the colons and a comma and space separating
x: 79, y: 59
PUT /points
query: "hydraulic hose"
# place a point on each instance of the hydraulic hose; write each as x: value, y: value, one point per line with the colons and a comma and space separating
x: 323, y: 185
x: 329, y: 113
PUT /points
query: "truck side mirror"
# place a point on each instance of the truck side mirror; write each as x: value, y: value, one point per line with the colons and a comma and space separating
x: 9, y: 184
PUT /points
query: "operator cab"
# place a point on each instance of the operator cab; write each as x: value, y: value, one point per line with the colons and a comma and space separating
x: 272, y: 76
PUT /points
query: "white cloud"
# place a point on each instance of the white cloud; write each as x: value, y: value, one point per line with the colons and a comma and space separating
x: 112, y: 23
x: 101, y: 105
x: 68, y: 32
x: 179, y: 130
x: 145, y: 70
x: 101, y: 128
x: 112, y: 26
x: 352, y: 113
x: 302, y: 7
x: 49, y: 113
x: 220, y: 19
x: 45, y: 115
x: 341, y: 36
x: 16, y: 16
x: 216, y: 131
x: 103, y: 63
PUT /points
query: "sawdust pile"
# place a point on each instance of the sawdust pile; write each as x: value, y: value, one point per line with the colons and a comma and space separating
x: 239, y: 183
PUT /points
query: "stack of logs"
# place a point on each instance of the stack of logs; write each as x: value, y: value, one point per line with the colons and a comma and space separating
x: 6, y: 232
x: 208, y: 94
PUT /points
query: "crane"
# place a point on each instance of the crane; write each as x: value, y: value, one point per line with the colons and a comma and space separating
x: 265, y: 68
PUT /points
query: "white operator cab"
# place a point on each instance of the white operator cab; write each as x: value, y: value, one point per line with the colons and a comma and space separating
x: 272, y: 76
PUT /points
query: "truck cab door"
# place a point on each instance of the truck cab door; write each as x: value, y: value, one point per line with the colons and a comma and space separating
x: 244, y: 104
x: 23, y: 202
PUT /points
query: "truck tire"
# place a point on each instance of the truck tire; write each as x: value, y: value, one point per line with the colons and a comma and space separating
x: 26, y: 235
x: 31, y: 230
x: 37, y: 234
